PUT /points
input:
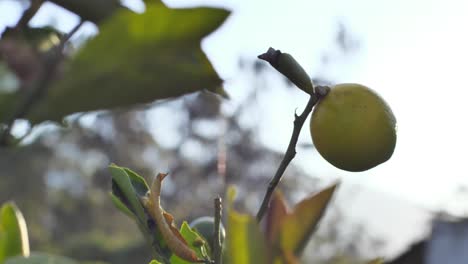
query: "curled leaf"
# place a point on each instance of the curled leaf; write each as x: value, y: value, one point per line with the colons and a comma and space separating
x: 195, y: 242
x: 128, y: 194
x: 126, y: 186
x: 175, y: 241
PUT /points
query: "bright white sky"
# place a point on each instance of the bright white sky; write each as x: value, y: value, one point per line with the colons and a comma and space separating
x: 414, y: 53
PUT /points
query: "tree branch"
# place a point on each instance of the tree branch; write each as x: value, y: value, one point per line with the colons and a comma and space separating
x: 317, y: 92
x: 28, y: 14
x: 288, y: 156
x: 40, y: 85
x: 67, y: 37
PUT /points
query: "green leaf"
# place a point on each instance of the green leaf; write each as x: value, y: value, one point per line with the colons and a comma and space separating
x: 40, y: 258
x: 121, y: 206
x: 92, y: 10
x: 298, y: 226
x: 192, y: 239
x: 155, y: 262
x: 138, y: 182
x: 124, y: 190
x: 244, y: 240
x: 136, y: 59
x: 13, y: 232
x: 376, y: 261
x: 127, y: 189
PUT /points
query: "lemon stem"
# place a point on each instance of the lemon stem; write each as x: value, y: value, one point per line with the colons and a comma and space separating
x: 318, y: 92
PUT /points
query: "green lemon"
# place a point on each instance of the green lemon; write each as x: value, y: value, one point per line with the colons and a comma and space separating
x: 205, y: 227
x: 353, y: 128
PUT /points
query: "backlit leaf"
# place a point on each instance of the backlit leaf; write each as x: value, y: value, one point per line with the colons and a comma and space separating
x: 244, y: 240
x: 91, y: 10
x: 14, y: 239
x: 136, y: 59
x: 299, y: 225
x: 275, y: 216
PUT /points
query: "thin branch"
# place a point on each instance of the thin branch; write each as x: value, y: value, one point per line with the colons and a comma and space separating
x: 28, y: 14
x: 320, y: 91
x: 288, y: 156
x: 40, y: 85
x: 217, y: 251
x: 64, y: 40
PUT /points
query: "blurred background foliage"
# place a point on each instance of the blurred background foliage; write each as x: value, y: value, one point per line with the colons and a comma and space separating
x: 58, y: 175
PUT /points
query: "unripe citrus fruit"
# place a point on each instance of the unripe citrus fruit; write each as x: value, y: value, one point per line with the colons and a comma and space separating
x: 353, y: 128
x: 205, y: 227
